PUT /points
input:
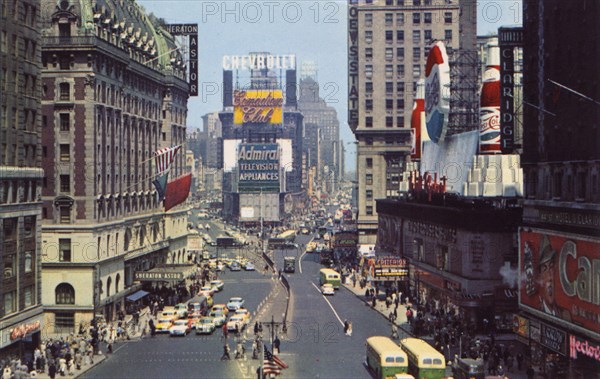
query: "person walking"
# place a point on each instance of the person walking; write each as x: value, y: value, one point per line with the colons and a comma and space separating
x: 346, y: 325
x: 225, y: 352
x: 349, y: 329
x: 51, y: 370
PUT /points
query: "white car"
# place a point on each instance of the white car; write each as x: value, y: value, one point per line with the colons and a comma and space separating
x: 238, y: 322
x: 327, y: 289
x: 219, y: 318
x: 235, y: 266
x: 180, y: 328
x: 207, y: 291
x: 235, y: 303
x: 205, y: 325
x: 249, y: 266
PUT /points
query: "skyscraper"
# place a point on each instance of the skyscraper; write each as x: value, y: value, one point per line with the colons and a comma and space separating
x: 20, y: 177
x: 387, y: 49
x: 560, y: 238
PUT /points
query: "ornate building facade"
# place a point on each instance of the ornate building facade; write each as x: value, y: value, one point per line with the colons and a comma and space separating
x: 114, y: 91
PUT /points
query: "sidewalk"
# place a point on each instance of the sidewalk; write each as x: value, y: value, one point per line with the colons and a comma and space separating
x: 404, y: 329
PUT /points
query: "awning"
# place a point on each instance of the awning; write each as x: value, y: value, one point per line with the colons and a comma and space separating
x: 137, y: 295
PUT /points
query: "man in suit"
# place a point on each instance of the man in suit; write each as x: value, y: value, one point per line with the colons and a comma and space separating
x: 546, y: 280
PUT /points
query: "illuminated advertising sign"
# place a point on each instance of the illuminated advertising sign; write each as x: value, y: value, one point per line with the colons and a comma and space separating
x: 345, y: 240
x: 510, y: 37
x: 190, y: 30
x: 147, y: 276
x: 258, y: 107
x: 259, y: 61
x: 258, y: 167
x: 560, y: 278
x: 352, y: 66
x: 437, y: 92
x: 388, y: 268
x: 579, y: 346
x: 489, y: 105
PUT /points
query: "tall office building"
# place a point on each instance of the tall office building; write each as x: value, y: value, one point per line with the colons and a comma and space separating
x: 387, y: 50
x: 114, y: 91
x: 319, y: 115
x: 20, y: 177
x: 560, y: 238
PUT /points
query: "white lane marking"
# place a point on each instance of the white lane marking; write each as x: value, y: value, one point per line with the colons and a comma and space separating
x: 300, y: 263
x: 330, y: 306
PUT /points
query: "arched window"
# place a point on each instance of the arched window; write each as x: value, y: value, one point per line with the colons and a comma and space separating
x: 65, y: 294
x: 108, y: 284
x: 117, y: 281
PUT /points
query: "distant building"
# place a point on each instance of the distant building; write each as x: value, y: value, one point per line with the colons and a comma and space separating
x: 322, y: 117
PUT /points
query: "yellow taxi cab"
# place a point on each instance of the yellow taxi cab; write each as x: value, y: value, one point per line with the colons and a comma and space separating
x: 164, y: 324
x: 170, y: 313
x: 244, y: 313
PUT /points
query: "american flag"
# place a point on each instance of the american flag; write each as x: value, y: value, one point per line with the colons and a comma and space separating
x: 272, y: 364
x: 164, y: 158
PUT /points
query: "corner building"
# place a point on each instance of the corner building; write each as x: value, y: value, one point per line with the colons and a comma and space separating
x: 388, y: 43
x: 560, y: 238
x: 114, y: 91
x: 21, y: 317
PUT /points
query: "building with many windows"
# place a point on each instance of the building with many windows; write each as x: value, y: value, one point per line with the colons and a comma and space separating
x: 559, y: 242
x: 114, y: 91
x: 388, y: 44
x: 20, y: 177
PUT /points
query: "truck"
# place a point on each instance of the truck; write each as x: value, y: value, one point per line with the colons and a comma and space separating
x: 289, y: 264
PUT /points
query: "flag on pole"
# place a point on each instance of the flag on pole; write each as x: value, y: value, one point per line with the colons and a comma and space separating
x: 164, y: 158
x: 177, y: 191
x: 272, y: 364
x: 161, y: 185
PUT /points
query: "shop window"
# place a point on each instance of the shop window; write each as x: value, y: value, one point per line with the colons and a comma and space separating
x: 65, y: 294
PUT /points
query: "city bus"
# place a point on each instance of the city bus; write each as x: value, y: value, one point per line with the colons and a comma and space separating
x: 327, y: 275
x: 384, y: 358
x: 423, y: 360
x: 288, y: 235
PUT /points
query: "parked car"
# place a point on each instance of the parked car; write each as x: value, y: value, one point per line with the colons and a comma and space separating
x: 235, y: 303
x: 179, y: 328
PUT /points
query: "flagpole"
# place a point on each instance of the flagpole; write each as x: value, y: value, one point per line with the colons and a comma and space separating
x: 575, y: 92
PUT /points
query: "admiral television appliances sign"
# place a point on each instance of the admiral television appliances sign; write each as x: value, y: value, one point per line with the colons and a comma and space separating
x: 258, y: 167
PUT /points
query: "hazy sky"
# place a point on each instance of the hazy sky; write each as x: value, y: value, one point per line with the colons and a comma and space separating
x: 313, y: 30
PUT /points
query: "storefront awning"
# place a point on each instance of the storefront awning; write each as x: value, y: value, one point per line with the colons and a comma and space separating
x: 137, y: 295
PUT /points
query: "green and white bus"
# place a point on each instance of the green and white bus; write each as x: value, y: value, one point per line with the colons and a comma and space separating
x: 423, y: 360
x: 327, y: 275
x: 385, y: 358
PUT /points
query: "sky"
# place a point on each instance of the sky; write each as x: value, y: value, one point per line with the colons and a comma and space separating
x: 312, y: 30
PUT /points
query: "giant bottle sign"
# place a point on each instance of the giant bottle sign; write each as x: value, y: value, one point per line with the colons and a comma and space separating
x: 489, y: 107
x: 437, y: 92
x: 417, y: 120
